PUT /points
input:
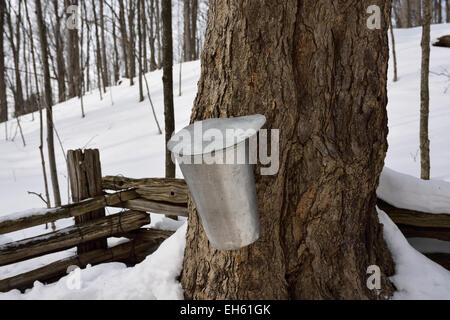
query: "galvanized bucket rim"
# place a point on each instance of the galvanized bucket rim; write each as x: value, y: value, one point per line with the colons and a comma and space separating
x: 257, y: 119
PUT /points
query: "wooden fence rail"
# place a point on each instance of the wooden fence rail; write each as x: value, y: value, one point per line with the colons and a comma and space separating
x: 72, y: 236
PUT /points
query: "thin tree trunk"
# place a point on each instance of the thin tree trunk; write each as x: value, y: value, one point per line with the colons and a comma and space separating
x: 123, y: 31
x: 139, y: 28
x: 394, y: 55
x: 447, y: 7
x: 88, y: 49
x: 116, y: 55
x: 424, y: 93
x: 38, y: 100
x: 14, y: 41
x: 73, y: 54
x: 319, y: 225
x: 144, y: 36
x: 48, y: 103
x: 3, y: 97
x: 158, y: 33
x: 193, y: 17
x: 168, y: 81
x: 105, y: 73
x: 131, y: 43
x: 60, y: 63
x: 100, y: 74
x: 187, y: 30
x: 152, y: 36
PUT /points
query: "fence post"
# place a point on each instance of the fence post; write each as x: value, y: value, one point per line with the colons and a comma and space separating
x: 85, y: 175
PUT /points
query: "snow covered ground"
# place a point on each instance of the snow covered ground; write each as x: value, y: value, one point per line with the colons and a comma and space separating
x: 125, y: 133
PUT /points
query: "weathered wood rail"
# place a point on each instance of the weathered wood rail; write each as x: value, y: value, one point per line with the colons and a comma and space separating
x: 138, y: 197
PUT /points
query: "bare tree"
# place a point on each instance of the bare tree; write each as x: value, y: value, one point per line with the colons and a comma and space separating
x: 14, y: 42
x: 131, y: 42
x: 424, y: 93
x: 140, y: 44
x: 105, y: 73
x: 394, y: 55
x: 151, y: 15
x: 73, y: 52
x: 100, y: 74
x: 169, y: 117
x: 124, y: 36
x: 190, y: 8
x: 3, y: 96
x: 48, y: 102
x: 59, y: 48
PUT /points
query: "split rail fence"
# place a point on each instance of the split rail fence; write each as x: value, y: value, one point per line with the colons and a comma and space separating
x: 92, y: 193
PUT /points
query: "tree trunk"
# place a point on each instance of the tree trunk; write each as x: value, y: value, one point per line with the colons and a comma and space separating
x: 187, y: 30
x: 447, y: 7
x: 144, y: 37
x: 60, y: 64
x: 73, y: 55
x: 48, y: 103
x: 152, y: 36
x: 166, y: 6
x: 123, y: 31
x: 39, y: 103
x: 14, y: 41
x: 100, y: 71
x: 116, y: 55
x: 131, y: 43
x: 319, y: 75
x: 394, y: 55
x: 424, y: 93
x: 158, y: 33
x: 193, y: 17
x: 3, y: 97
x: 105, y: 73
x: 140, y: 44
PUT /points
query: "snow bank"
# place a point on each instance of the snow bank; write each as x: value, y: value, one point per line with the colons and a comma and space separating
x: 154, y: 278
x: 416, y: 276
x: 407, y: 192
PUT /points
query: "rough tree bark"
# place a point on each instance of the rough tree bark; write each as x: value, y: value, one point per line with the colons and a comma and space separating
x: 48, y: 103
x: 319, y: 74
x: 424, y: 93
x: 3, y: 99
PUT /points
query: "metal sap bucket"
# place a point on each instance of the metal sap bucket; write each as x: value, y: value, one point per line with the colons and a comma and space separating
x: 224, y: 193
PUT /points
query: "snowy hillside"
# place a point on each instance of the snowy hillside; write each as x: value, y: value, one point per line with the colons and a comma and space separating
x: 125, y: 133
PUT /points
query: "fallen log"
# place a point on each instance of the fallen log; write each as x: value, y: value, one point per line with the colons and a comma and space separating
x: 423, y: 232
x: 12, y: 223
x: 155, y: 207
x: 144, y: 243
x: 69, y: 237
x: 414, y: 218
x: 443, y: 41
x: 156, y: 189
